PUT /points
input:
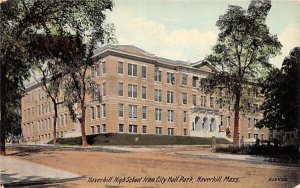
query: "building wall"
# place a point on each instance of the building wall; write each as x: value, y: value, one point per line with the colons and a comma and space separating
x: 34, y: 118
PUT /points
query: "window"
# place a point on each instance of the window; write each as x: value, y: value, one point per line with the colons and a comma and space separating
x: 120, y: 67
x: 97, y: 70
x: 157, y: 76
x: 121, y: 128
x: 184, y: 79
x: 61, y: 134
x: 92, y: 130
x: 212, y: 102
x: 132, y: 91
x: 95, y: 94
x: 195, y: 79
x: 262, y: 137
x: 170, y: 115
x: 254, y: 121
x: 255, y: 108
x: 132, y: 128
x: 249, y: 122
x: 144, y: 129
x: 93, y: 112
x: 228, y: 103
x: 103, y: 68
x: 221, y: 120
x: 249, y: 135
x: 120, y: 89
x: 194, y: 100
x: 158, y: 95
x: 184, y: 98
x: 132, y: 111
x: 203, y: 101
x: 184, y: 116
x: 184, y: 132
x: 98, y: 111
x: 144, y: 112
x: 158, y: 114
x: 121, y: 110
x: 144, y: 72
x: 220, y: 103
x: 132, y: 69
x: 170, y: 78
x: 104, y: 128
x: 103, y: 110
x: 255, y: 136
x: 103, y: 89
x: 171, y: 131
x: 158, y: 130
x: 228, y: 121
x: 93, y: 71
x: 98, y: 129
x: 170, y: 97
x: 144, y: 92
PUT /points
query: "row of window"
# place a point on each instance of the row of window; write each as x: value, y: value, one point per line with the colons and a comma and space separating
x: 256, y: 136
x: 132, y: 129
x: 98, y: 69
x: 98, y: 111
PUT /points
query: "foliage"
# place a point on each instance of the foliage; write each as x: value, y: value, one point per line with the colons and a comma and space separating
x: 241, y: 55
x: 24, y: 22
x: 281, y: 90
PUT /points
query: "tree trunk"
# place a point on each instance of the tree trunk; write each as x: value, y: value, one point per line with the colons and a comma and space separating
x: 54, y: 123
x: 3, y: 117
x: 82, y: 123
x: 236, y: 119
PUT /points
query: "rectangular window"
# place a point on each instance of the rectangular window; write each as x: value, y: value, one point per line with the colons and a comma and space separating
x: 103, y: 110
x: 157, y: 76
x: 249, y: 122
x: 103, y: 89
x: 228, y: 121
x: 170, y: 78
x: 93, y: 112
x: 203, y: 101
x: 220, y: 103
x: 121, y: 110
x: 98, y: 129
x: 194, y: 100
x: 98, y: 111
x: 184, y: 79
x: 144, y: 112
x: 97, y: 70
x: 132, y: 128
x: 170, y: 115
x: 93, y: 71
x: 158, y: 130
x: 184, y: 98
x: 158, y: 114
x: 132, y: 111
x: 120, y: 67
x: 144, y: 92
x: 262, y: 137
x: 195, y: 80
x: 184, y: 116
x: 255, y: 108
x: 170, y: 131
x: 221, y: 120
x: 144, y: 129
x: 104, y: 128
x: 120, y: 89
x: 249, y: 135
x: 170, y: 97
x: 212, y: 102
x: 158, y: 95
x: 103, y: 68
x: 92, y: 130
x: 121, y: 128
x: 132, y: 90
x: 132, y: 69
x: 144, y: 72
x: 254, y: 121
x: 184, y: 132
x: 95, y: 94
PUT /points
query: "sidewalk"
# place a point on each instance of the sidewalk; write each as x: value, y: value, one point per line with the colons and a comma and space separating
x: 18, y: 172
x: 239, y: 158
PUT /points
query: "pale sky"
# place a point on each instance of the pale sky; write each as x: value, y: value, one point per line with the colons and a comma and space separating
x: 185, y: 30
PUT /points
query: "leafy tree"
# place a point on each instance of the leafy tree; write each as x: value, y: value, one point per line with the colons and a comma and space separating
x: 241, y: 54
x: 282, y: 95
x: 22, y: 21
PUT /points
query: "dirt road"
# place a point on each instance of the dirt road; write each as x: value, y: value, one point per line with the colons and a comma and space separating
x: 153, y: 168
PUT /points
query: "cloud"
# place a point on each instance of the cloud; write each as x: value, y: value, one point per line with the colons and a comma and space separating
x: 289, y: 39
x: 154, y: 37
